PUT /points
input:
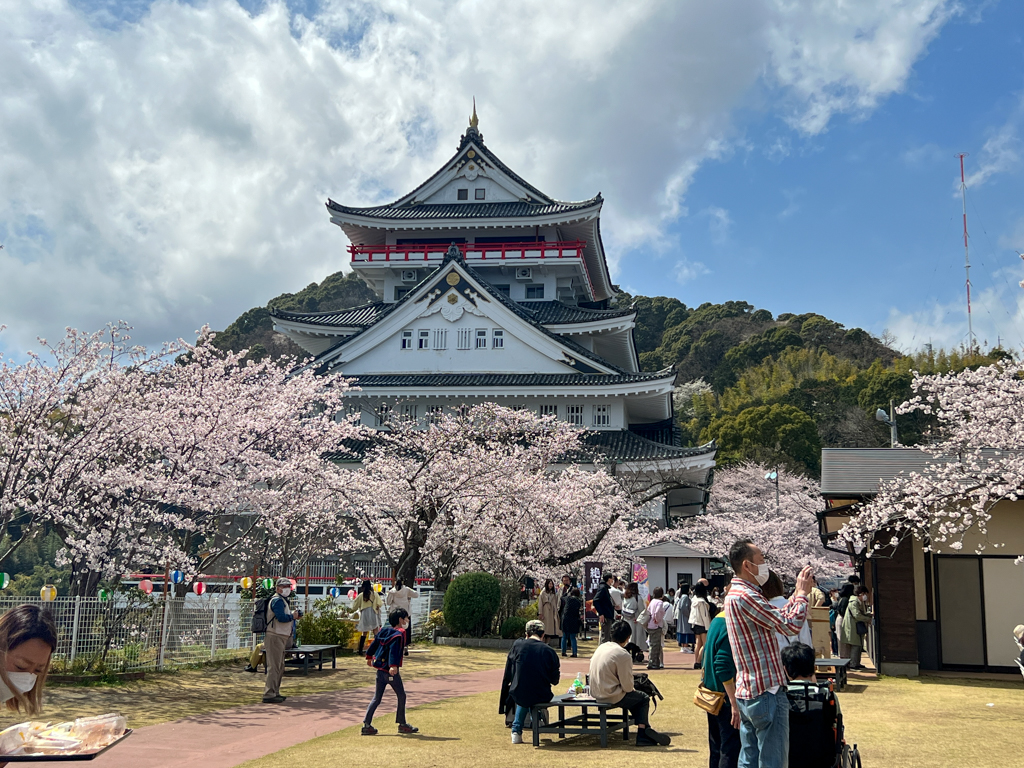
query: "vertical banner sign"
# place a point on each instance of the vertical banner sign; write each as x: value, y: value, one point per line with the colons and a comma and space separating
x: 591, y: 577
x: 640, y: 577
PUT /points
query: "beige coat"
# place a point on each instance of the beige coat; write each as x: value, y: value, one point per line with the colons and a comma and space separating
x: 547, y: 609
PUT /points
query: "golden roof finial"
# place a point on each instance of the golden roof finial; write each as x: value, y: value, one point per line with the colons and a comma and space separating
x: 474, y: 121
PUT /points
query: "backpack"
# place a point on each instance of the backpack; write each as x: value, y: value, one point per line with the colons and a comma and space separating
x: 259, y: 615
x: 643, y: 683
x: 814, y: 740
x: 713, y: 610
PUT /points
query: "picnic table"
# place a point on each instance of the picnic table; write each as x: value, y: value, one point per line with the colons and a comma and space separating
x: 832, y: 669
x: 600, y: 721
x: 302, y: 655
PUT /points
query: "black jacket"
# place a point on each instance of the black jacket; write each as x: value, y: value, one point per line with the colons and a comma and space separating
x: 530, y: 670
x: 603, y: 605
x: 571, y: 623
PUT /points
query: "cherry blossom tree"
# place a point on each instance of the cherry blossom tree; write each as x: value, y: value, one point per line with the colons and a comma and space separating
x: 976, y: 462
x: 482, y: 488
x: 743, y: 505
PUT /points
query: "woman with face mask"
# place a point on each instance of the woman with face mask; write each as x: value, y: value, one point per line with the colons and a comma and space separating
x: 28, y: 638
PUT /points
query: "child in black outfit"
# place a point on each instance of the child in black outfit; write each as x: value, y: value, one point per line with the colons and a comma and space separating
x: 385, y: 654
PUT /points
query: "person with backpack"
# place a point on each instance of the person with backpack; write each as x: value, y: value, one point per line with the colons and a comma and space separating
x: 280, y: 626
x: 366, y: 607
x: 385, y: 655
x: 401, y: 596
x: 815, y: 719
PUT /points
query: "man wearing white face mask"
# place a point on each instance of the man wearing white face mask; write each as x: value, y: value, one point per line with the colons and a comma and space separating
x: 280, y: 624
x: 760, y: 677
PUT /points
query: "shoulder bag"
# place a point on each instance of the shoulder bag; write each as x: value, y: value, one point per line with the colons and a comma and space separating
x: 708, y: 700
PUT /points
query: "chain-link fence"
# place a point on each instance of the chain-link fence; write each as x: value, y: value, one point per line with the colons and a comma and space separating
x: 127, y: 633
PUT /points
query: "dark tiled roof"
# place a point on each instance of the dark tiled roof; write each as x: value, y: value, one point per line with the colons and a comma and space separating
x: 555, y: 313
x: 623, y: 445
x: 614, y: 445
x: 463, y: 210
x: 504, y: 379
x: 368, y: 314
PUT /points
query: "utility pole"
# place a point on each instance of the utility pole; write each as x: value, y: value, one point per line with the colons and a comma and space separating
x: 972, y: 341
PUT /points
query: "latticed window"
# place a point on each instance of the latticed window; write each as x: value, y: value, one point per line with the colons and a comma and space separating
x: 424, y: 340
x: 409, y: 412
x: 434, y: 414
x: 549, y: 410
x: 601, y: 415
x: 481, y: 338
x: 465, y: 338
x: 574, y: 414
x: 381, y: 414
x: 406, y: 339
x: 440, y: 338
x: 498, y: 338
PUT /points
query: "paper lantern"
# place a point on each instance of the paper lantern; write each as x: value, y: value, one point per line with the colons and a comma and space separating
x: 5, y: 580
x: 295, y: 584
x: 246, y: 582
x: 352, y: 594
x: 377, y: 587
x: 335, y: 592
x: 48, y: 593
x: 268, y: 583
x: 146, y: 586
x: 103, y: 594
x: 199, y: 588
x: 177, y: 577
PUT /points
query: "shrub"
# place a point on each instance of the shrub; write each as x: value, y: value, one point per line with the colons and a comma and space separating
x: 512, y: 627
x: 435, y: 621
x: 471, y: 602
x: 325, y: 625
x: 529, y: 612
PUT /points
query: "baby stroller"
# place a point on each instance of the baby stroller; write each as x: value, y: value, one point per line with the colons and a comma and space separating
x: 816, y: 727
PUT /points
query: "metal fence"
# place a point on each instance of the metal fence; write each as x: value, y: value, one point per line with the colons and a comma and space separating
x: 127, y: 635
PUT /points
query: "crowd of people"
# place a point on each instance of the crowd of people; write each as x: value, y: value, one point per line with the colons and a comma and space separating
x: 752, y: 642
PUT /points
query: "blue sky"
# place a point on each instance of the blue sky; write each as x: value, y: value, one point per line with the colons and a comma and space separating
x: 166, y: 163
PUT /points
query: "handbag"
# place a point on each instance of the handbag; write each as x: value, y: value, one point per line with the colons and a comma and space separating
x: 862, y: 628
x: 708, y: 700
x: 643, y: 617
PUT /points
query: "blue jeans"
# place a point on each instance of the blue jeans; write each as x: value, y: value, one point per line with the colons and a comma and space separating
x: 566, y: 638
x: 764, y: 731
x: 517, y: 723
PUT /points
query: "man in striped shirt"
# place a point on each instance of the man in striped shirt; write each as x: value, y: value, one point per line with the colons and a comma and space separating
x: 760, y: 677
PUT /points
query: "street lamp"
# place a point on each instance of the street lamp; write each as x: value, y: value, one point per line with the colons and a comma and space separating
x: 773, y: 477
x: 889, y: 419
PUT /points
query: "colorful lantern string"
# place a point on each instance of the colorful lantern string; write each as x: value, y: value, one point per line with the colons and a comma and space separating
x: 352, y: 594
x: 5, y: 580
x: 48, y: 593
x: 199, y: 588
x: 295, y: 584
x: 146, y: 586
x: 335, y: 592
x: 267, y: 583
x: 246, y: 582
x: 103, y: 594
x: 177, y: 577
x: 378, y: 587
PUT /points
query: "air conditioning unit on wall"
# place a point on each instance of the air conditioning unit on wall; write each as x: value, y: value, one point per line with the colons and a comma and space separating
x: 524, y: 273
x: 408, y: 275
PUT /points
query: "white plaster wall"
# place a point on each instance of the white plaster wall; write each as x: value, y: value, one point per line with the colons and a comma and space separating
x: 676, y: 565
x: 368, y: 406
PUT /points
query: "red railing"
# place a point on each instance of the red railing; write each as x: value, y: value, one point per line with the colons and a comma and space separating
x: 558, y: 249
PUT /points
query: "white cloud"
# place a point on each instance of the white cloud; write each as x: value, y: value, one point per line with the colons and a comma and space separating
x: 171, y: 170
x: 999, y: 154
x: 687, y: 271
x: 719, y: 223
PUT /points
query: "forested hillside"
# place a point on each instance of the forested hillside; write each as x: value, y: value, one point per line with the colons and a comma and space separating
x: 772, y: 389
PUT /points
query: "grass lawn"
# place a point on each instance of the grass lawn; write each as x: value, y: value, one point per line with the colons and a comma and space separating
x: 174, y: 695
x: 895, y: 721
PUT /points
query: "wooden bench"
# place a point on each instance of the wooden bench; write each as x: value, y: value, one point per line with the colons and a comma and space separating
x: 832, y: 669
x: 600, y: 721
x: 302, y: 655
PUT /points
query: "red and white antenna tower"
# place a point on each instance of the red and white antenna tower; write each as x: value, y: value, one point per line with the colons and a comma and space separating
x: 972, y: 340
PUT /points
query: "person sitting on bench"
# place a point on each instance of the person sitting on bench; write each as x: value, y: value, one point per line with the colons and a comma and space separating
x: 611, y: 682
x: 531, y: 669
x: 815, y: 720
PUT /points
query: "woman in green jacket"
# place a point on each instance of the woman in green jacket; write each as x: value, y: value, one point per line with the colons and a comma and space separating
x: 720, y: 675
x: 856, y: 615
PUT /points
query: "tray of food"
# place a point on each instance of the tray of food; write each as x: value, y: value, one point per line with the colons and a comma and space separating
x: 81, y: 739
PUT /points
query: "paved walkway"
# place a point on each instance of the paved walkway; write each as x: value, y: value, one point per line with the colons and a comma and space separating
x: 229, y: 737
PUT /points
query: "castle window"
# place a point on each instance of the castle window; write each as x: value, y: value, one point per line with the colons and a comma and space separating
x: 440, y: 338
x: 435, y: 414
x: 479, y: 193
x: 381, y: 414
x: 549, y: 410
x: 535, y: 291
x: 601, y: 416
x: 408, y: 412
x: 574, y: 414
x: 465, y: 338
x: 504, y: 289
x: 498, y: 339
x: 424, y: 340
x: 400, y: 292
x: 481, y: 338
x: 463, y: 194
x: 406, y: 339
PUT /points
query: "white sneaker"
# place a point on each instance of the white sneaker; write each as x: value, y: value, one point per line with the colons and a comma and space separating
x: 517, y: 738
